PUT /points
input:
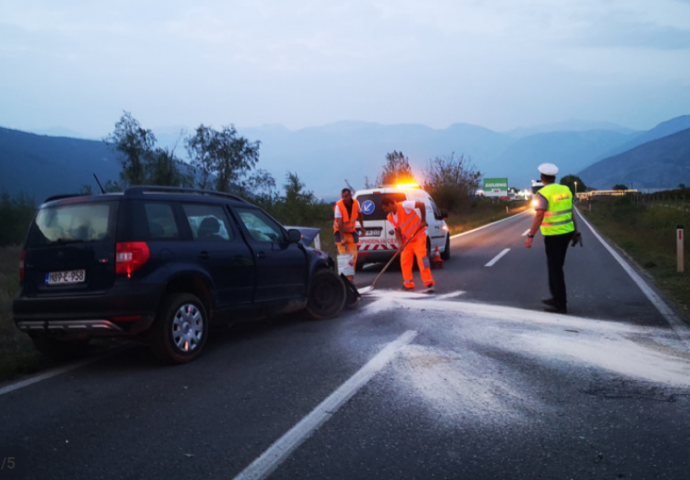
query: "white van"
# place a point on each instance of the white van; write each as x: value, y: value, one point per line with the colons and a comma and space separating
x: 379, y: 244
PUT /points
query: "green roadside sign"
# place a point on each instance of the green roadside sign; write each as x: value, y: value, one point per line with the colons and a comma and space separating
x: 496, y: 187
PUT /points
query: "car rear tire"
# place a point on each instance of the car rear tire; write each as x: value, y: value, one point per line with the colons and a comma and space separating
x: 327, y: 295
x: 446, y: 253
x: 180, y: 330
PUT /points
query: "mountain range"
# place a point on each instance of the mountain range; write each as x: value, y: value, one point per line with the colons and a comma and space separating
x: 326, y: 158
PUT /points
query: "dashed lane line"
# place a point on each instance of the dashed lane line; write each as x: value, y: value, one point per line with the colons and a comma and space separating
x: 497, y: 258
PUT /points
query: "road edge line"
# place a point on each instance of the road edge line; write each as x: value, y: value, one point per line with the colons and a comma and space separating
x: 277, y: 453
x: 667, y: 312
x: 488, y: 224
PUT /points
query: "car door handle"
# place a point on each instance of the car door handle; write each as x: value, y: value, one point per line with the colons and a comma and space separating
x: 261, y: 255
x: 203, y: 255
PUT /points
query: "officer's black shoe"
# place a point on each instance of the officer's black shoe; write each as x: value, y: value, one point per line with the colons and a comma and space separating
x: 549, y: 301
x: 555, y: 309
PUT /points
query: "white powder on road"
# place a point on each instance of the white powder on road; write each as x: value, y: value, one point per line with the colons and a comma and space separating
x: 456, y: 377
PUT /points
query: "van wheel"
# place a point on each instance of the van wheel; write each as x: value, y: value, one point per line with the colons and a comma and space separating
x: 446, y: 253
x: 327, y: 295
x: 60, y: 349
x: 179, y: 332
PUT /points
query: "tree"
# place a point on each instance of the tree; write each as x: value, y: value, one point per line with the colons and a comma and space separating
x: 451, y: 180
x: 259, y: 188
x: 142, y: 162
x: 223, y: 154
x: 299, y: 206
x: 162, y: 168
x: 620, y: 186
x: 569, y: 181
x: 135, y: 144
x: 396, y: 169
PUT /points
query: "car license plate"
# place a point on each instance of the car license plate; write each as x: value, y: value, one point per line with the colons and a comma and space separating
x: 372, y: 232
x: 65, y: 277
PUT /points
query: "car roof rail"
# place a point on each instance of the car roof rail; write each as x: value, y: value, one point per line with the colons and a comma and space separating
x: 140, y: 189
x: 66, y: 195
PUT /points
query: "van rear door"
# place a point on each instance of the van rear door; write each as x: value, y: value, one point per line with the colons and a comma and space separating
x: 378, y: 230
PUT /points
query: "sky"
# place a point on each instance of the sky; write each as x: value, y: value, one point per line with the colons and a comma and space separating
x: 499, y: 64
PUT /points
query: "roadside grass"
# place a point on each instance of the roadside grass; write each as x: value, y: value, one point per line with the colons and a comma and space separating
x: 17, y: 354
x: 646, y: 232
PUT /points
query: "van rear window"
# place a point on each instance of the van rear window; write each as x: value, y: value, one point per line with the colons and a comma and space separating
x: 370, y: 203
x: 73, y: 223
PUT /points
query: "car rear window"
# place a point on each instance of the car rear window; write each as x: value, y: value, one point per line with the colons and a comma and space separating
x: 370, y: 203
x: 71, y: 223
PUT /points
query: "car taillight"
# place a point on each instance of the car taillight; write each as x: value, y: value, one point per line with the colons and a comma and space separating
x: 22, y: 260
x: 130, y: 256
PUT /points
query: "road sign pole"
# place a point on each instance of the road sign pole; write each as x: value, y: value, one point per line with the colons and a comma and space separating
x: 679, y: 248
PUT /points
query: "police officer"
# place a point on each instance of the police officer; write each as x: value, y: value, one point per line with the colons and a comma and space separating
x: 554, y: 217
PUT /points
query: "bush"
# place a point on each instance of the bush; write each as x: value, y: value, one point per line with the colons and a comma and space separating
x: 15, y: 217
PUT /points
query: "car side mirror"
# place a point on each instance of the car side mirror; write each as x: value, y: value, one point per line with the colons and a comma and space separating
x: 444, y: 213
x: 294, y: 235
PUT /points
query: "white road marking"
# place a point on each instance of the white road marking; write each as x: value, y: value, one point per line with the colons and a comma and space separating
x: 526, y: 232
x: 676, y: 324
x: 497, y: 258
x: 54, y: 373
x: 490, y: 224
x: 281, y: 449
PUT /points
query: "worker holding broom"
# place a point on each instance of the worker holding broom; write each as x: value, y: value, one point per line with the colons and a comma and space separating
x: 410, y: 233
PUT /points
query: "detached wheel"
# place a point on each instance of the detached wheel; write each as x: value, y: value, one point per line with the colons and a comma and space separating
x: 327, y: 295
x: 179, y: 333
x: 446, y: 253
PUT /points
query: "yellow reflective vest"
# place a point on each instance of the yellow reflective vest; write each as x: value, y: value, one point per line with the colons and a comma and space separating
x: 558, y: 218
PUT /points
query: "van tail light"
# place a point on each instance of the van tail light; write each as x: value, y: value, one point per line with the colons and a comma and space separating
x: 130, y: 257
x: 22, y: 261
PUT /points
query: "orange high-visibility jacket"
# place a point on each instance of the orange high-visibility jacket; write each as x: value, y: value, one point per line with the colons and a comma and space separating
x: 408, y: 223
x: 349, y: 222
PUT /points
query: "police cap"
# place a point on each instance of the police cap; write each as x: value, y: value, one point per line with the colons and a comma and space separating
x: 548, y: 169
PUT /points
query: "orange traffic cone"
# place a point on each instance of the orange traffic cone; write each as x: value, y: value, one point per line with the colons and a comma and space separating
x: 436, y: 260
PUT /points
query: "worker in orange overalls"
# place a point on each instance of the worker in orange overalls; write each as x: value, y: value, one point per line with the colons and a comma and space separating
x: 409, y: 225
x: 347, y: 212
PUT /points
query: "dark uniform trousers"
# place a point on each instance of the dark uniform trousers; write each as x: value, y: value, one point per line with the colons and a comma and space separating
x: 556, y: 248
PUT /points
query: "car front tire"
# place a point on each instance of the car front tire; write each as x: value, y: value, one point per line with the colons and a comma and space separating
x: 180, y: 330
x: 327, y: 295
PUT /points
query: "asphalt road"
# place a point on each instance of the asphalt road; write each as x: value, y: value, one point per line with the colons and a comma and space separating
x: 472, y: 382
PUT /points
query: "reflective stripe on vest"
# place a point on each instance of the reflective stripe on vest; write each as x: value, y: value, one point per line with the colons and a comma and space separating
x: 558, y: 218
x: 407, y: 223
x: 349, y: 223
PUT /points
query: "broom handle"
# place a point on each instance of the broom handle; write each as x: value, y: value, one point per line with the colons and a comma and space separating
x: 396, y: 255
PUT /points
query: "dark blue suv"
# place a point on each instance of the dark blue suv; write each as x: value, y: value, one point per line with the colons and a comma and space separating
x: 163, y: 263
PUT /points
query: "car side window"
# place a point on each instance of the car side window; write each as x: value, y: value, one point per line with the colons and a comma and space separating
x: 161, y: 221
x: 208, y: 222
x: 260, y: 226
x: 437, y: 212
